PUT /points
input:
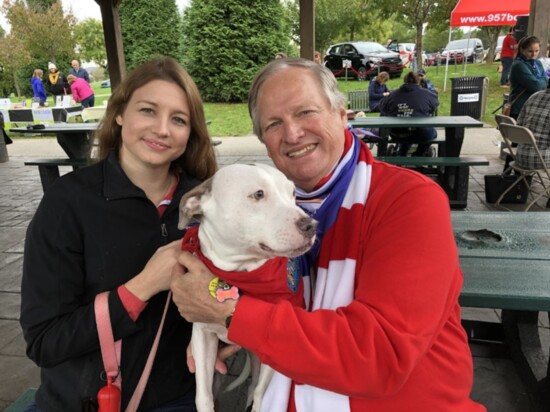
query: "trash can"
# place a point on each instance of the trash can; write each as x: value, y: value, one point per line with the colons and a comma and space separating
x: 469, y: 96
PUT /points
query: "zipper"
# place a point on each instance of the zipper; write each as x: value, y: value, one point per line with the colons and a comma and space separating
x: 163, y: 230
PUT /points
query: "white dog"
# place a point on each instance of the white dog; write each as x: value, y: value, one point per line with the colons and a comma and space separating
x: 248, y: 217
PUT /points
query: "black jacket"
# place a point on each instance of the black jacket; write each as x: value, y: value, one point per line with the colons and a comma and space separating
x: 60, y: 87
x: 93, y: 231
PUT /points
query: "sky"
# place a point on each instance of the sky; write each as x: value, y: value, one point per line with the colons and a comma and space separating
x: 83, y: 9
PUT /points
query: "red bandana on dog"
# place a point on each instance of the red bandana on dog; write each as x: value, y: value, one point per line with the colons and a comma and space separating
x: 276, y: 280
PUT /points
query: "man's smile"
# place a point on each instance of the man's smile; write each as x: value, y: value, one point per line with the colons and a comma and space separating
x: 302, y: 151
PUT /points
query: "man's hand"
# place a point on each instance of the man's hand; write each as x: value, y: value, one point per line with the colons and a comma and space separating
x: 191, y: 295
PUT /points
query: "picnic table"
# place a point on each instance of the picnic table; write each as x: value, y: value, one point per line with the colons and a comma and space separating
x: 506, y: 264
x: 29, y: 115
x: 454, y: 128
x: 74, y: 138
x: 451, y: 170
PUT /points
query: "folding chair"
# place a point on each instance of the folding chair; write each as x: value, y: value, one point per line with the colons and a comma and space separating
x: 523, y: 136
x: 358, y: 101
x: 93, y: 114
x: 504, y: 155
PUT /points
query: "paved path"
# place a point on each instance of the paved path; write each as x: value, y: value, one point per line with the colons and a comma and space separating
x: 495, y: 382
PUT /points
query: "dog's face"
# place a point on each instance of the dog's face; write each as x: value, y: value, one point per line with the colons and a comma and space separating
x: 247, y: 212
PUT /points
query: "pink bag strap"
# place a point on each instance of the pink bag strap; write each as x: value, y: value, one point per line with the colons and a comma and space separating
x: 110, y: 350
x: 140, y: 388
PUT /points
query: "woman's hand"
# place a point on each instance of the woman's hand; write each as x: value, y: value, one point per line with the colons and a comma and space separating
x: 157, y: 273
x: 191, y: 295
x: 224, y: 352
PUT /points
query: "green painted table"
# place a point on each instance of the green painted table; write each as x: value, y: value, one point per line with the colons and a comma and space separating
x: 505, y: 258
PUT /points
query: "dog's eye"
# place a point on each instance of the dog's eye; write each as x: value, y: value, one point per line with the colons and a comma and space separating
x: 258, y: 194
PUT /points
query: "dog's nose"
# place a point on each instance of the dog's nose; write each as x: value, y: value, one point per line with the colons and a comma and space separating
x: 307, y: 226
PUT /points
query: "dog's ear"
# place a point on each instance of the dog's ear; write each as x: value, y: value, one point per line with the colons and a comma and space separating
x: 191, y: 204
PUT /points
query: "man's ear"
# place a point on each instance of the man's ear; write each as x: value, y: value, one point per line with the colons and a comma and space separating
x: 191, y: 204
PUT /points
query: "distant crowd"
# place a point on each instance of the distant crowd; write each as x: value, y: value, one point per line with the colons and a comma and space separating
x: 77, y: 83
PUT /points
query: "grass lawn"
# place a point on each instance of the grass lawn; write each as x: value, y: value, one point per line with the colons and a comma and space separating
x: 231, y: 119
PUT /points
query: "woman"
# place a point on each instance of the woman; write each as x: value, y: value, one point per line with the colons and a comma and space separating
x: 378, y: 90
x: 38, y: 90
x: 57, y: 81
x: 81, y: 90
x: 527, y: 74
x: 113, y: 227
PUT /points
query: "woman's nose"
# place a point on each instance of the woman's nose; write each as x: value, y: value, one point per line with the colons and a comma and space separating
x: 161, y: 127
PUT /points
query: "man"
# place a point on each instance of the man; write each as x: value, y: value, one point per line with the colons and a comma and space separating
x: 507, y: 54
x: 535, y: 115
x: 79, y: 71
x: 382, y: 329
x: 411, y: 100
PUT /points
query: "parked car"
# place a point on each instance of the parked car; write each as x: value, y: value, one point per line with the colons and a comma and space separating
x: 469, y: 49
x: 105, y: 84
x: 498, y: 49
x: 363, y: 60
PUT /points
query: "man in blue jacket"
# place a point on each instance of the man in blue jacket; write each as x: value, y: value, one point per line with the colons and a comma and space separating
x: 411, y: 100
x: 79, y: 71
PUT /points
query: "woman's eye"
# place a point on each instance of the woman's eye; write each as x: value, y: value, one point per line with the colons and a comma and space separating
x: 259, y: 194
x: 180, y: 120
x: 146, y: 110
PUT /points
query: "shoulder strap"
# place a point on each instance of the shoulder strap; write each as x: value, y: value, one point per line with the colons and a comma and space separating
x: 110, y: 350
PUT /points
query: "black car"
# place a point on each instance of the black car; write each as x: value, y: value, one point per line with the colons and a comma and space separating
x: 363, y: 60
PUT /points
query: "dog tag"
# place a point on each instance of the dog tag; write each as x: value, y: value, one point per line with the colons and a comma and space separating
x: 222, y: 291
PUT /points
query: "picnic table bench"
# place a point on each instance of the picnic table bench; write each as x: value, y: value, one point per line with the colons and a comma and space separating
x: 506, y: 265
x: 455, y: 184
x: 49, y: 168
x: 454, y: 135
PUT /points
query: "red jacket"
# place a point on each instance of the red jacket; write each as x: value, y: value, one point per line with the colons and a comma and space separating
x: 399, y: 346
x: 509, y: 45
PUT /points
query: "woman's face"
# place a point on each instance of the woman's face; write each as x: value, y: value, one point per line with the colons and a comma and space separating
x: 532, y: 51
x: 156, y: 126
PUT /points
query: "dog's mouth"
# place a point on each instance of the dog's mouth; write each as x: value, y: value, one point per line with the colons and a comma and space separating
x: 300, y: 250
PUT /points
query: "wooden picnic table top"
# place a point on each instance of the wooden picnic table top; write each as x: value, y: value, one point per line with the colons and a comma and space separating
x: 428, y: 121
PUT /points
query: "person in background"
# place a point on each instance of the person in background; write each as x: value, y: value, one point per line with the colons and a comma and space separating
x: 56, y: 81
x: 411, y: 100
x: 535, y: 115
x: 527, y: 75
x: 81, y: 90
x: 112, y: 227
x: 425, y: 82
x: 507, y: 54
x: 317, y: 58
x: 382, y: 330
x: 78, y: 71
x: 378, y: 90
x: 38, y: 90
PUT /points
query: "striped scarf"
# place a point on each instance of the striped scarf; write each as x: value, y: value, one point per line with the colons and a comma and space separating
x: 340, y: 210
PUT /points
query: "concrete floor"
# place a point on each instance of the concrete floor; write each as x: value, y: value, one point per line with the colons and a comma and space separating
x: 496, y: 383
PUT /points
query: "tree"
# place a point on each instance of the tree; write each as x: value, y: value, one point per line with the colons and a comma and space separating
x: 91, y: 42
x: 228, y: 41
x: 418, y: 13
x: 13, y: 57
x: 150, y: 28
x: 39, y: 34
x: 349, y: 20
